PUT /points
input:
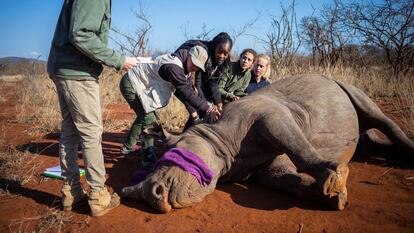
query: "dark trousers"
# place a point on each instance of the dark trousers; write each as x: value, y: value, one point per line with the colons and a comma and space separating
x: 141, y: 122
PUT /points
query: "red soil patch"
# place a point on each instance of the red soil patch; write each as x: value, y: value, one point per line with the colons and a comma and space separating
x: 381, y: 195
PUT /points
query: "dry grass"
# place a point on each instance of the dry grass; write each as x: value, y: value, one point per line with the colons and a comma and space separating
x: 405, y: 105
x: 53, y: 220
x: 3, y: 97
x: 173, y: 116
x: 109, y: 85
x: 16, y: 166
x: 11, y: 78
x: 38, y: 104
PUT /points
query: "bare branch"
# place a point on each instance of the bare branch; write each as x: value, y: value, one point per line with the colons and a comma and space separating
x: 136, y: 43
x: 245, y: 28
x: 388, y: 25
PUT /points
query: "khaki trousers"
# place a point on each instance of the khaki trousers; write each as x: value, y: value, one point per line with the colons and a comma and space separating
x: 81, y: 123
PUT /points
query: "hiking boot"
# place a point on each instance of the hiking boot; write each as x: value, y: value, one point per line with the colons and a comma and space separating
x: 101, y: 202
x: 72, y: 197
x: 148, y: 158
x: 127, y: 151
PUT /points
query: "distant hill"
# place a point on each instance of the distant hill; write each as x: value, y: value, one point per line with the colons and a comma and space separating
x: 15, y: 60
x: 20, y: 65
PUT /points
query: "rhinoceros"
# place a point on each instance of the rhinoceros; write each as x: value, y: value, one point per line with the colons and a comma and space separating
x: 297, y: 134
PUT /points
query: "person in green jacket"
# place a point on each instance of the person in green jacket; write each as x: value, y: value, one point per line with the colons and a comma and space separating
x: 233, y: 82
x: 78, y: 51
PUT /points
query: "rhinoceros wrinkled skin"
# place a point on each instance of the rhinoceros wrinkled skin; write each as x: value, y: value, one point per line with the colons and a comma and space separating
x: 297, y: 135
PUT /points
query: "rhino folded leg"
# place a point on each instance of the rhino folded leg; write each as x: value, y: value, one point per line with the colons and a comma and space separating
x: 281, y: 174
x: 284, y: 132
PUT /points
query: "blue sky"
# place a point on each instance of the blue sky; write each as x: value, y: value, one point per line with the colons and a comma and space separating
x: 27, y: 26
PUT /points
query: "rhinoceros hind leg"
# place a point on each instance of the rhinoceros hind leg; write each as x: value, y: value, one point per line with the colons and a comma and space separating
x: 330, y: 175
x: 282, y: 174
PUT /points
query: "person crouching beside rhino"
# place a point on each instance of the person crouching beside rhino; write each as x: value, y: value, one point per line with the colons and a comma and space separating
x: 206, y: 82
x: 150, y: 85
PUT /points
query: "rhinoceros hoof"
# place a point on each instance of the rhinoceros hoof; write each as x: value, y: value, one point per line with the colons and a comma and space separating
x: 339, y: 201
x: 335, y: 183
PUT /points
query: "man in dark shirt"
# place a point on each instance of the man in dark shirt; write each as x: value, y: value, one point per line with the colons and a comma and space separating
x: 147, y: 87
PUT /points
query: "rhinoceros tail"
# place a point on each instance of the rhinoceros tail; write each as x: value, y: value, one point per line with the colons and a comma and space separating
x: 370, y: 116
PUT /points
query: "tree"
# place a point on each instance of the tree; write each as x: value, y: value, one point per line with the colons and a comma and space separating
x: 203, y: 35
x: 283, y: 39
x: 136, y: 43
x: 389, y: 25
x: 325, y: 35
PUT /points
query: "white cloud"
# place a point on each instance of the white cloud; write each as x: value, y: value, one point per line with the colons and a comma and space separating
x: 35, y: 54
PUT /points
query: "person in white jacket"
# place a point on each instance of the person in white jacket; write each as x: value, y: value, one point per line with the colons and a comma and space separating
x: 150, y: 85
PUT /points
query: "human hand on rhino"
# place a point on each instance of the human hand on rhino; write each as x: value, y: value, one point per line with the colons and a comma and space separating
x: 214, y: 113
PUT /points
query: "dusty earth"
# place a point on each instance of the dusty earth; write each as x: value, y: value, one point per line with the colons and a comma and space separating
x: 381, y: 194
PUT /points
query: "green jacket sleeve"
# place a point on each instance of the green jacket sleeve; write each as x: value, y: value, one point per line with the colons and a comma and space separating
x: 89, y: 32
x: 241, y: 91
x: 222, y: 83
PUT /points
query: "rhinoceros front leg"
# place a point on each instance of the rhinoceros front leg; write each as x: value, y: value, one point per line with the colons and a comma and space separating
x: 281, y: 130
x: 281, y: 174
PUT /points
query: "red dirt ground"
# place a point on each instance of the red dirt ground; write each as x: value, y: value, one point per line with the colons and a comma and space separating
x: 381, y: 195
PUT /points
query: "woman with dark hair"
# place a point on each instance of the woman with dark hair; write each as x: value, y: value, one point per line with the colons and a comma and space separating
x: 206, y: 82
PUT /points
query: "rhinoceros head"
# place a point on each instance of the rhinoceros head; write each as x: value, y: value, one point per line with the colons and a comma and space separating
x: 168, y: 187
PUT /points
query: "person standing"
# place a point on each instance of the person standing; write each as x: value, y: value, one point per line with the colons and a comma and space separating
x: 78, y: 51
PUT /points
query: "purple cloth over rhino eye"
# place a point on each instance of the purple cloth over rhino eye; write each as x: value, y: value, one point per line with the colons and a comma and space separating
x: 182, y: 158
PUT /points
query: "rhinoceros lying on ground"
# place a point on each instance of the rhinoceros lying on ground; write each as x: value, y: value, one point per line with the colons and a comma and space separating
x: 297, y: 135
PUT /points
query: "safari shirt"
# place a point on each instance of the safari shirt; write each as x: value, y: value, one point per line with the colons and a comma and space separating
x: 234, y: 82
x: 79, y: 45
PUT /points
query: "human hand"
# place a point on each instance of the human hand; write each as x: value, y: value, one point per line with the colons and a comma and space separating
x: 220, y: 107
x: 129, y: 63
x: 214, y: 114
x: 236, y: 98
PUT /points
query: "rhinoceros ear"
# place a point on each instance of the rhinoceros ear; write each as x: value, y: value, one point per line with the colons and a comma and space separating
x: 156, y: 130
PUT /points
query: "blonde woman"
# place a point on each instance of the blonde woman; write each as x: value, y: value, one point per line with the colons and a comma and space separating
x: 260, y: 73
